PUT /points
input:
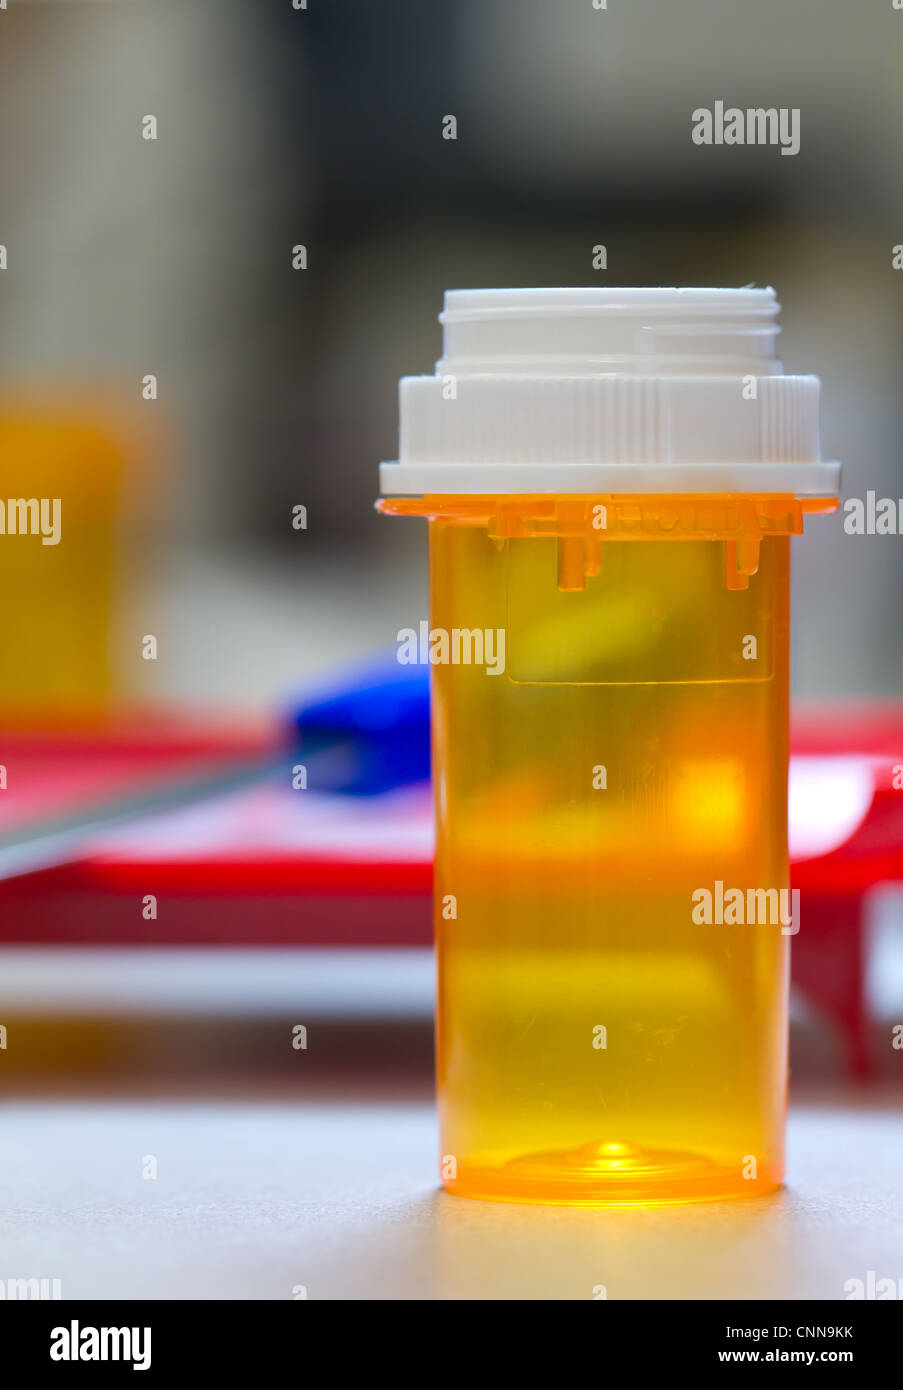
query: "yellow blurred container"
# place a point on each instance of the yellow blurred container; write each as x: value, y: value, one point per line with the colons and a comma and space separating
x: 609, y: 640
x: 61, y: 474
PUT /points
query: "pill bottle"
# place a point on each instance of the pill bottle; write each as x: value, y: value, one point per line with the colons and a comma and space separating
x: 611, y: 478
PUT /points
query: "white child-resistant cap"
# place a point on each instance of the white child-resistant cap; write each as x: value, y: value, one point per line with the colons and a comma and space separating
x: 609, y: 390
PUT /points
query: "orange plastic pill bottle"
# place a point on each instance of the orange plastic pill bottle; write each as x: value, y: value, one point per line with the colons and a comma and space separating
x: 611, y: 478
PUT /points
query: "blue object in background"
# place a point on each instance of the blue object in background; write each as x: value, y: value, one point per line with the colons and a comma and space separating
x: 369, y: 732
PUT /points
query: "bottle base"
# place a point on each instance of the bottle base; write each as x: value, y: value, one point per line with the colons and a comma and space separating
x: 610, y: 1175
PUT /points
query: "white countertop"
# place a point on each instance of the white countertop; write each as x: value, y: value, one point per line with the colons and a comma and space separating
x: 254, y: 1198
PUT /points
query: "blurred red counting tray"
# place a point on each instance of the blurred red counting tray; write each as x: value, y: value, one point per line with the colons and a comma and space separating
x: 263, y: 865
